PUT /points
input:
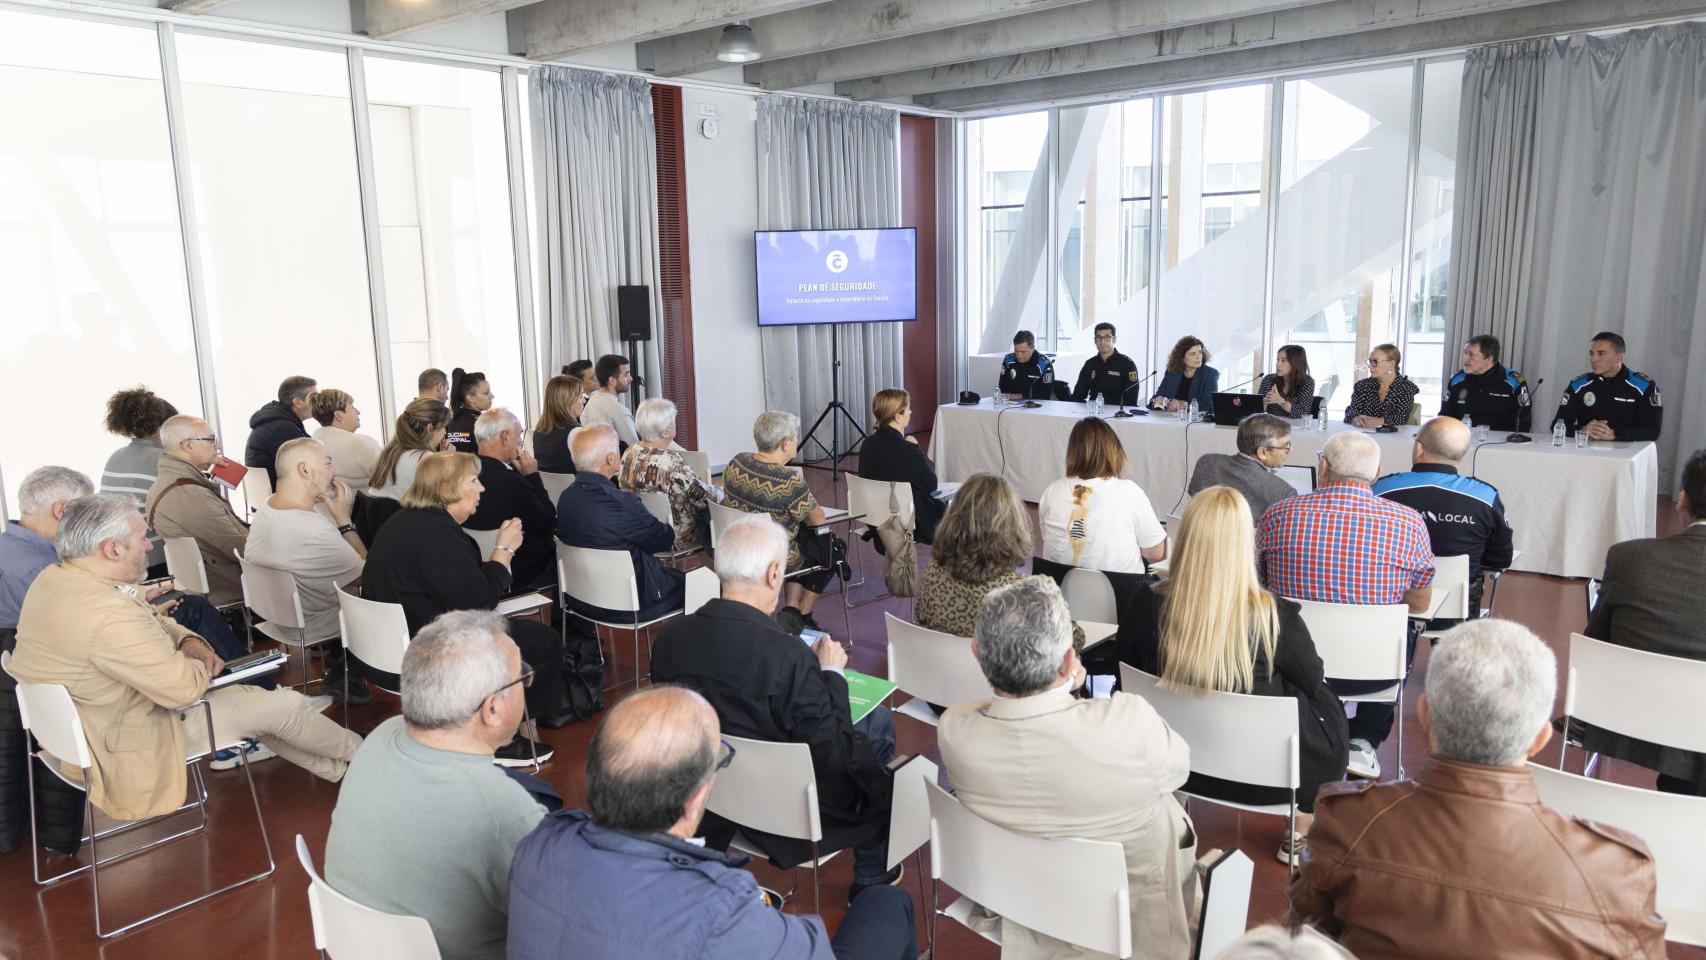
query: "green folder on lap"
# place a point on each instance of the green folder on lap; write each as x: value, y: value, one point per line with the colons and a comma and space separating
x: 864, y: 692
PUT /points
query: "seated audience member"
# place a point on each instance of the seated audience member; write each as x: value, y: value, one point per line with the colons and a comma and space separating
x: 562, y: 413
x: 1211, y: 626
x: 1289, y: 391
x: 889, y: 454
x: 1650, y: 600
x: 605, y: 404
x: 1464, y: 860
x: 583, y: 371
x: 651, y: 466
x: 767, y: 685
x: 1274, y: 942
x: 513, y: 489
x: 1188, y: 377
x: 470, y: 396
x: 425, y: 824
x: 1024, y: 759
x: 1385, y: 397
x: 983, y: 540
x: 137, y: 414
x: 433, y: 385
x: 423, y: 560
x: 1343, y: 544
x: 594, y: 513
x: 278, y: 422
x: 352, y: 453
x: 1264, y: 442
x: 304, y: 529
x: 420, y: 431
x: 1093, y: 517
x: 1464, y: 516
x: 129, y: 668
x: 625, y: 879
x: 762, y: 482
x: 184, y: 503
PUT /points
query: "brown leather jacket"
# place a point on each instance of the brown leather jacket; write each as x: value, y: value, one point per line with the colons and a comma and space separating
x: 1465, y: 861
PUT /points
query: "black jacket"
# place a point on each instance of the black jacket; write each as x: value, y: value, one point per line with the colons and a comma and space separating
x: 422, y: 560
x: 1464, y: 516
x: 885, y: 455
x: 1298, y: 674
x: 552, y: 450
x: 765, y: 684
x: 1111, y: 379
x: 595, y: 513
x: 1497, y: 399
x: 1628, y: 401
x: 271, y: 427
x: 460, y: 431
x: 509, y: 494
x: 1034, y: 378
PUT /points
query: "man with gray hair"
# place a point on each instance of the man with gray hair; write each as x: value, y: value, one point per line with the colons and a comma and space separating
x: 510, y: 475
x: 184, y: 503
x: 1021, y: 759
x: 1264, y: 442
x: 1343, y: 544
x: 593, y: 512
x: 278, y: 422
x: 1468, y: 841
x: 767, y: 685
x: 131, y: 671
x: 426, y: 823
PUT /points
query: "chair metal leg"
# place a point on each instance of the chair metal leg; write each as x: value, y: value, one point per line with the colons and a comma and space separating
x: 918, y: 868
x: 817, y: 896
x: 1400, y: 711
x: 346, y: 689
x: 1564, y: 742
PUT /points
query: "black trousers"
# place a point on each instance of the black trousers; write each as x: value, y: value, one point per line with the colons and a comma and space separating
x: 878, y: 926
x: 542, y: 649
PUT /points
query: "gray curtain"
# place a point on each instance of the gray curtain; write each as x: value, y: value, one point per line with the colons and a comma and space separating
x: 1581, y: 206
x: 828, y: 165
x: 595, y: 165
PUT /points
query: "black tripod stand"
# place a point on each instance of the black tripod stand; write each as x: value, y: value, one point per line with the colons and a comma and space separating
x: 830, y: 412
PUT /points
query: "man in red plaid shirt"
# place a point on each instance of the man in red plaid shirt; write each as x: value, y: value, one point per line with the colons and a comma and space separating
x: 1342, y: 544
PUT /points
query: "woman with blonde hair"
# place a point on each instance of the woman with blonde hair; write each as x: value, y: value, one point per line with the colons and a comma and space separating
x: 889, y: 454
x: 1385, y: 396
x: 564, y: 398
x: 420, y: 431
x: 1093, y: 517
x: 1212, y: 626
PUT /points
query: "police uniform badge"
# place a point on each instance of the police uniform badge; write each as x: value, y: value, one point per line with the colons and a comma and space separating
x: 1653, y: 398
x: 1133, y: 376
x: 1588, y: 398
x: 1463, y: 395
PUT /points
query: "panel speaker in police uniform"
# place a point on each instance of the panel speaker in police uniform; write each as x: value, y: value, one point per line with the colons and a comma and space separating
x: 1108, y: 374
x: 1610, y: 401
x: 1488, y: 392
x: 1025, y: 373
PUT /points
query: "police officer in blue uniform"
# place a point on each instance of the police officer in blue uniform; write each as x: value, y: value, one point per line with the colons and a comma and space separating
x: 1610, y: 401
x: 1025, y: 373
x: 1491, y: 394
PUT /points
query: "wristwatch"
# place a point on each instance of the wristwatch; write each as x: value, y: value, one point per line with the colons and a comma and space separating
x: 346, y: 528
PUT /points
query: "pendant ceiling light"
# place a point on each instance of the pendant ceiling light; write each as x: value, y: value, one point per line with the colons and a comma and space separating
x: 738, y: 44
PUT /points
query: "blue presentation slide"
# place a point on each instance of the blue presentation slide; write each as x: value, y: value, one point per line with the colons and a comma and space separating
x: 837, y: 276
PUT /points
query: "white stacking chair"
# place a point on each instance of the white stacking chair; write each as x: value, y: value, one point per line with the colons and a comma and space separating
x: 870, y: 499
x: 1364, y: 642
x: 184, y: 564
x: 603, y: 579
x: 1071, y: 890
x: 257, y: 487
x: 932, y: 667
x: 346, y: 930
x: 722, y: 517
x: 1090, y: 596
x: 272, y: 594
x: 702, y: 585
x: 486, y: 540
x: 51, y: 720
x: 1673, y: 826
x: 1226, y: 903
x: 1451, y: 576
x: 771, y: 788
x: 657, y: 504
x: 555, y: 484
x: 700, y: 463
x: 375, y: 633
x: 1237, y: 737
x: 1649, y: 696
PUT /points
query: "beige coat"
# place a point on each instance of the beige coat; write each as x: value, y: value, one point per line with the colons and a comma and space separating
x: 1053, y: 766
x: 119, y: 659
x: 198, y: 510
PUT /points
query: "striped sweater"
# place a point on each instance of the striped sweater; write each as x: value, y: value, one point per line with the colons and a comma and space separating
x: 131, y: 471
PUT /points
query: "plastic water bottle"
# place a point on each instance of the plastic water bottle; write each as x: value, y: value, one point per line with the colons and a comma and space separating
x: 1558, y: 433
x: 1191, y: 417
x: 1469, y: 424
x: 1321, y: 423
x: 1095, y: 404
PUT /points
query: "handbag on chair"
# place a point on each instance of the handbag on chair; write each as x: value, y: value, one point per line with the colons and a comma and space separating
x: 900, y: 554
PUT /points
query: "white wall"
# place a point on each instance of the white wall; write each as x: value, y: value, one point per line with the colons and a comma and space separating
x: 722, y: 213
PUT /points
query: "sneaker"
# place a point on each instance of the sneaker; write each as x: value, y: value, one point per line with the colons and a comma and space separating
x: 519, y: 752
x: 807, y: 619
x: 252, y: 751
x: 1291, y: 849
x: 791, y: 620
x: 890, y: 879
x: 1363, y: 762
x: 319, y: 703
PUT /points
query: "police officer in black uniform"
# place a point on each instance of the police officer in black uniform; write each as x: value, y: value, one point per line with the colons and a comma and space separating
x: 1490, y: 394
x: 1611, y: 402
x: 1025, y: 373
x: 1108, y: 374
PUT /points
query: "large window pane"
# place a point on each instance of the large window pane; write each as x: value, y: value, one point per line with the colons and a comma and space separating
x: 1104, y: 163
x: 1007, y: 184
x: 1338, y: 243
x: 1425, y: 356
x: 272, y: 167
x: 444, y: 221
x: 1214, y: 229
x: 92, y: 287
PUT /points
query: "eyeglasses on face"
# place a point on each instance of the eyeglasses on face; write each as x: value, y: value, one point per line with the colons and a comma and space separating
x: 1286, y: 446
x: 1104, y: 337
x: 727, y: 758
x: 526, y: 680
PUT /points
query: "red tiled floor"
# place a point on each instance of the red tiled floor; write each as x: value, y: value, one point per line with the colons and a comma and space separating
x: 270, y: 919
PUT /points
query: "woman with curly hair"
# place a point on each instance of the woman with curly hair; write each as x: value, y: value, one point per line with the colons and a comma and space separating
x: 137, y: 414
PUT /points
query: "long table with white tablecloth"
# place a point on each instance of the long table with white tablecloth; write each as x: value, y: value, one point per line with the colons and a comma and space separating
x: 1566, y: 505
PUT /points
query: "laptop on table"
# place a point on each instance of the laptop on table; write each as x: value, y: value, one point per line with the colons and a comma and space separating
x: 1229, y: 408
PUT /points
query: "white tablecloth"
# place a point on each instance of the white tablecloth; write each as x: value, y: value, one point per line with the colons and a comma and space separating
x: 1566, y: 506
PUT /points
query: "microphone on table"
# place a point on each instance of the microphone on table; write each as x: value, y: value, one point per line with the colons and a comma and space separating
x: 1523, y: 437
x: 1259, y: 375
x: 1135, y: 411
x: 1030, y: 392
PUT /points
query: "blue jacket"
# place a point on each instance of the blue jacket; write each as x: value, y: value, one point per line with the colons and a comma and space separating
x: 595, y: 513
x: 1203, y: 387
x: 579, y: 891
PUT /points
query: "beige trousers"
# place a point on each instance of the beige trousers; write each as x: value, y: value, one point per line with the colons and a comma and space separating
x: 283, y: 720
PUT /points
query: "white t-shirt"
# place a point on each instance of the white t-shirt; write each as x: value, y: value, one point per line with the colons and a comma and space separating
x: 1100, y: 524
x: 309, y: 546
x: 352, y: 454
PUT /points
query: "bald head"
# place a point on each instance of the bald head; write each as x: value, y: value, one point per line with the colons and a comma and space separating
x: 183, y: 437
x: 1442, y: 440
x: 649, y: 760
x: 594, y: 449
x: 303, y: 462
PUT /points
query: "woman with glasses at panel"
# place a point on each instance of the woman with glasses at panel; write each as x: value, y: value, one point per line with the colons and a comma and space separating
x: 1385, y: 396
